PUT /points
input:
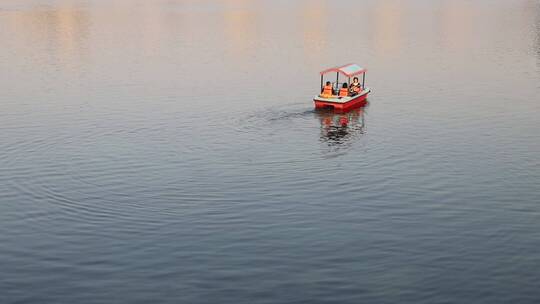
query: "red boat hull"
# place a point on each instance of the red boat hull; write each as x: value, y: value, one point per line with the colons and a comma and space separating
x: 359, y: 101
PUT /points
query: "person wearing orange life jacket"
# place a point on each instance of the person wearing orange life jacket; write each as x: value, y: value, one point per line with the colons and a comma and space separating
x: 344, y: 91
x: 356, y: 87
x: 328, y: 90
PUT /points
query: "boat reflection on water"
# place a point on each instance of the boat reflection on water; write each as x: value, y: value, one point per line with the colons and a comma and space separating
x: 338, y: 129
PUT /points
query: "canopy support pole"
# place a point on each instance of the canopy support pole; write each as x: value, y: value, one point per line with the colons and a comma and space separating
x: 337, y: 81
x: 363, y: 81
x: 322, y: 82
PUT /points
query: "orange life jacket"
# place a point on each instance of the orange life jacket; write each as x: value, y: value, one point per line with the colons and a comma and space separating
x: 327, y: 91
x: 343, y: 92
x: 357, y: 88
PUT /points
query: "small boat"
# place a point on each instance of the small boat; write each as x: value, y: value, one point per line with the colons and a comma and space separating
x: 346, y: 101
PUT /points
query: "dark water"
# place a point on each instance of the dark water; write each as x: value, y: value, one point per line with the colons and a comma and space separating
x: 168, y: 152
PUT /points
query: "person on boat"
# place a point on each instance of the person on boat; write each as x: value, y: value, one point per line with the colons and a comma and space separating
x: 344, y: 91
x: 328, y: 90
x: 356, y: 87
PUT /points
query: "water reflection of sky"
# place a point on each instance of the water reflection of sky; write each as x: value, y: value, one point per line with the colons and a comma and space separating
x: 538, y: 33
x: 390, y: 25
x: 61, y: 32
x: 243, y: 40
x: 183, y: 43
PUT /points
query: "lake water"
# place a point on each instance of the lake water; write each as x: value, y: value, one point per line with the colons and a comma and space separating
x: 168, y: 151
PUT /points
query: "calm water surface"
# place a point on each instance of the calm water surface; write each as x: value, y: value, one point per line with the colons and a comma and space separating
x: 168, y: 152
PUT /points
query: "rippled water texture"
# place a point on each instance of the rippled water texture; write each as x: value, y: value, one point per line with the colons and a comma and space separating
x: 168, y: 152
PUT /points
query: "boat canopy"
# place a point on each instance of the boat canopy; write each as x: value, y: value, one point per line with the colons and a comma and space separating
x: 348, y: 70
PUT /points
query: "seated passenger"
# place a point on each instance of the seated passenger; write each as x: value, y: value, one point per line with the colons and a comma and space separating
x: 356, y: 87
x: 344, y: 91
x: 328, y: 90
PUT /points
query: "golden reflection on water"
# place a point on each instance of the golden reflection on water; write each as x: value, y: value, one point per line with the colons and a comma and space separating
x: 69, y: 32
x: 315, y: 24
x: 387, y: 18
x: 537, y: 46
x: 153, y: 26
x: 457, y: 25
x: 241, y: 25
x: 63, y: 31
